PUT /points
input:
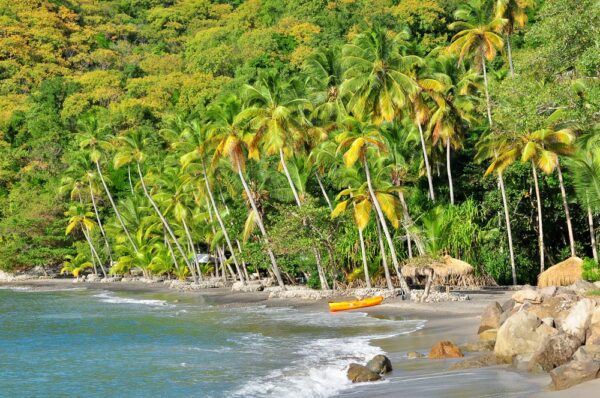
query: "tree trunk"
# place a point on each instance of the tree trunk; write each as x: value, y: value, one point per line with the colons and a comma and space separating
x: 322, y: 276
x: 168, y: 242
x: 426, y: 159
x: 450, y: 184
x: 487, y: 94
x: 539, y: 211
x: 386, y: 232
x: 166, y: 224
x: 409, y: 221
x: 117, y: 213
x: 510, y: 60
x: 191, y: 247
x: 386, y: 269
x: 222, y: 225
x: 261, y: 226
x: 129, y: 179
x: 592, y: 233
x: 239, y: 246
x: 100, y: 223
x: 508, y: 229
x: 363, y: 253
x: 566, y: 207
x: 289, y: 178
x: 323, y: 191
x: 93, y: 249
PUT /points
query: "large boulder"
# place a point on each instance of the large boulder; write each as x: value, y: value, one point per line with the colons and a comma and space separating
x: 479, y: 361
x: 582, y: 287
x: 360, y: 374
x: 579, y: 319
x: 593, y: 332
x: 445, y: 349
x: 573, y: 373
x: 380, y: 364
x: 587, y: 353
x: 555, y: 307
x: 518, y: 335
x: 555, y: 351
x: 527, y: 295
x: 490, y: 319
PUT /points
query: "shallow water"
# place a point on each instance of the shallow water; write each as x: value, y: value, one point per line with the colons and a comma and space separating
x: 99, y: 344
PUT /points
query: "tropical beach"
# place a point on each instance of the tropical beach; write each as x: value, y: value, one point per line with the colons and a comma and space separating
x: 315, y: 198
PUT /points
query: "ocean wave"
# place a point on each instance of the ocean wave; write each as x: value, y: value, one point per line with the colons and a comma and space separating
x: 107, y: 297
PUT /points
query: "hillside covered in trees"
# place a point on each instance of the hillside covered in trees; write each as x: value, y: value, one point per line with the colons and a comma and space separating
x: 326, y: 139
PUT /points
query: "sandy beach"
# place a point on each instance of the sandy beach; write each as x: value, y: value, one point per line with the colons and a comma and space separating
x: 454, y: 321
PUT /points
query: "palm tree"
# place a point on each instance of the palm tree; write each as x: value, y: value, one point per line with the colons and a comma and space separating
x: 377, y: 83
x: 497, y: 148
x: 75, y: 264
x: 131, y: 151
x: 358, y: 137
x: 226, y: 130
x: 477, y: 38
x: 80, y: 217
x: 92, y: 138
x: 514, y: 12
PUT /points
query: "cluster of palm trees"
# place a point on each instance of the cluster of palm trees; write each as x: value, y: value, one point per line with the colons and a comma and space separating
x: 370, y: 119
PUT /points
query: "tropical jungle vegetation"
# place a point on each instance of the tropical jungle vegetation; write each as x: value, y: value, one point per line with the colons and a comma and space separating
x: 331, y: 140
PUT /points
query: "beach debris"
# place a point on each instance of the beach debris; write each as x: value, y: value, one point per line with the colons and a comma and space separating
x: 562, y: 274
x: 555, y: 351
x: 579, y: 318
x: 573, y: 373
x: 380, y: 364
x: 414, y: 355
x: 445, y: 349
x: 490, y: 319
x: 360, y: 374
x: 479, y: 361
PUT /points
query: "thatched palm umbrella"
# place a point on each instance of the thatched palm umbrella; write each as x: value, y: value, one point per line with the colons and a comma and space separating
x: 562, y: 274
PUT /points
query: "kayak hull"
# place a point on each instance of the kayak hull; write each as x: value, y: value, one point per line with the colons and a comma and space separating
x: 355, y: 304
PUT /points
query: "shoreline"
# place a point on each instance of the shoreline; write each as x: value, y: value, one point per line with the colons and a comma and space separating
x: 456, y: 321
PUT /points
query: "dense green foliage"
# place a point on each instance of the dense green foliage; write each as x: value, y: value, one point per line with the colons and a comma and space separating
x: 134, y: 126
x: 591, y: 270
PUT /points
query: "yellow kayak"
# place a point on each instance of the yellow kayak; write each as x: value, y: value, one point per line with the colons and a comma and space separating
x: 352, y: 305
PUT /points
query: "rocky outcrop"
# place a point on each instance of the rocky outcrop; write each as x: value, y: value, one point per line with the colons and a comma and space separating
x: 445, y: 349
x: 573, y: 373
x: 490, y: 318
x: 380, y: 364
x: 361, y: 374
x: 518, y: 335
x: 579, y: 318
x: 554, y: 351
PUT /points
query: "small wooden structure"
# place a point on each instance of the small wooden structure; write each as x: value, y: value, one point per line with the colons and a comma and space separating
x: 446, y: 270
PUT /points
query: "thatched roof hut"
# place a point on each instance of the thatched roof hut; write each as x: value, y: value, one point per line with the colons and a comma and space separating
x: 446, y: 271
x: 562, y: 274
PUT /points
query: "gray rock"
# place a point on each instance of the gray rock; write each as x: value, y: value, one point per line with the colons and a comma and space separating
x: 490, y: 319
x: 508, y: 305
x: 479, y: 361
x: 360, y: 374
x: 527, y: 295
x: 555, y: 351
x: 548, y: 291
x: 593, y: 331
x: 573, y: 373
x: 518, y: 335
x: 587, y: 353
x: 414, y: 355
x: 579, y: 318
x: 380, y: 364
x: 479, y: 346
x: 581, y: 286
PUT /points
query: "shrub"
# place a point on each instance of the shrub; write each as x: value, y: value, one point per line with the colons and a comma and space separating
x: 591, y: 270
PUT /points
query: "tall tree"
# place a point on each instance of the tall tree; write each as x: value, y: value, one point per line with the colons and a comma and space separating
x: 514, y: 13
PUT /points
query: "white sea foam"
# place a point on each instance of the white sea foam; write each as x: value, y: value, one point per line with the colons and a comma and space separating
x: 107, y: 297
x: 320, y: 365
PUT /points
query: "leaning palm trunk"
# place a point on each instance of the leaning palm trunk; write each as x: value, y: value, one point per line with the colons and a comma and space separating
x: 222, y: 225
x: 323, y: 191
x: 386, y: 269
x: 510, y: 60
x: 485, y: 85
x: 166, y: 225
x: 117, y: 213
x: 426, y: 159
x: 592, y: 232
x: 540, y: 222
x: 168, y: 242
x: 566, y: 207
x: 508, y: 229
x: 261, y: 226
x: 386, y: 232
x: 450, y: 184
x: 322, y: 277
x: 100, y: 223
x: 363, y: 253
x: 409, y: 222
x: 239, y: 246
x: 93, y: 249
x: 192, y: 250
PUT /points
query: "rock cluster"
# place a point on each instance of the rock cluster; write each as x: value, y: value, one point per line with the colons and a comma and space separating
x: 555, y: 330
x: 377, y: 366
x: 437, y: 297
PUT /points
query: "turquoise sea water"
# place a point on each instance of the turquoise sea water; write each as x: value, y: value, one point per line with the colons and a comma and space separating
x: 81, y: 343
